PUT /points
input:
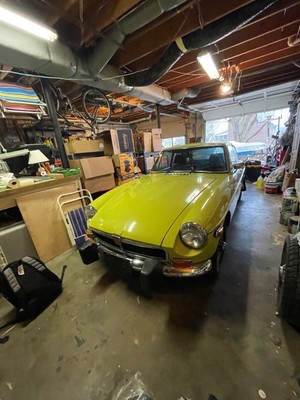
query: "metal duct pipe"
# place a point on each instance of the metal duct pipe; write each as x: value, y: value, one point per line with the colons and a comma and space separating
x: 198, y: 39
x: 186, y: 92
x: 55, y: 59
x: 130, y: 23
x: 22, y: 50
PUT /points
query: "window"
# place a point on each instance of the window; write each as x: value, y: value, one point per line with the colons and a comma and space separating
x: 192, y: 159
x: 233, y: 155
x: 169, y: 142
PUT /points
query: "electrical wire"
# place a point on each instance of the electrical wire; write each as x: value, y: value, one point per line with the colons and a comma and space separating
x: 70, y: 79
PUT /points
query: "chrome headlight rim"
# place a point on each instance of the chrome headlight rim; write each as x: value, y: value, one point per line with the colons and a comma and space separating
x: 193, y: 235
x: 89, y: 211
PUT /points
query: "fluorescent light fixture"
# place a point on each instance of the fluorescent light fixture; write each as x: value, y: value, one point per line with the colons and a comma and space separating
x: 12, y: 154
x: 208, y: 65
x: 26, y: 24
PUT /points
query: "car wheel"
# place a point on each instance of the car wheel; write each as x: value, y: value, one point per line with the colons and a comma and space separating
x: 240, y: 196
x: 289, y: 282
x: 218, y: 256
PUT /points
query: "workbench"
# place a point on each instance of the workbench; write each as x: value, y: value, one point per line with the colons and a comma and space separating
x: 8, y: 197
x: 40, y: 212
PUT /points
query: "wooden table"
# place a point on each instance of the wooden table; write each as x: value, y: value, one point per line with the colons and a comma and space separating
x: 38, y: 206
x: 8, y: 197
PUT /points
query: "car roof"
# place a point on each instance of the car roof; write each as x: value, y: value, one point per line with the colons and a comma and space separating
x: 196, y: 145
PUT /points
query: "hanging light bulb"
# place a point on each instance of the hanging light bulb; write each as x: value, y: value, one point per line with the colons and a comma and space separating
x: 226, y: 88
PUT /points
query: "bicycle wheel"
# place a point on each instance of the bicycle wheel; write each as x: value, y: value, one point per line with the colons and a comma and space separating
x: 96, y: 105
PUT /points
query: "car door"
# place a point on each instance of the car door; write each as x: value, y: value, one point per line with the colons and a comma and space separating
x: 236, y: 180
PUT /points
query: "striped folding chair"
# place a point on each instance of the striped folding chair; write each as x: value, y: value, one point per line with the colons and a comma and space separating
x: 71, y: 206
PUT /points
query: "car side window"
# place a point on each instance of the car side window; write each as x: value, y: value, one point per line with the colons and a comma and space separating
x: 234, y: 159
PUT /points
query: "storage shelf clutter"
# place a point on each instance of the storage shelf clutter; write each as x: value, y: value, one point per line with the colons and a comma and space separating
x: 116, y: 157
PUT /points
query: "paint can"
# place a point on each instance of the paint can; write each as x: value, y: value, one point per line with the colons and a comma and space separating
x: 271, y: 187
x: 297, y: 186
x: 284, y: 217
x: 289, y: 203
x: 294, y: 224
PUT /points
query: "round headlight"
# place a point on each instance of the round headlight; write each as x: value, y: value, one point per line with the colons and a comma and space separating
x: 89, y: 211
x: 193, y: 235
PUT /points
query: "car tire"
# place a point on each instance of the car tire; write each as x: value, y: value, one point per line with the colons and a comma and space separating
x: 240, y: 196
x: 289, y: 282
x: 218, y: 256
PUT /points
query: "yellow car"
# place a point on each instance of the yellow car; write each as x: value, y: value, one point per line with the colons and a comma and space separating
x: 176, y: 217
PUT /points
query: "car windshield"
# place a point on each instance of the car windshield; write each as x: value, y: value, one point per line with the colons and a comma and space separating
x: 192, y: 159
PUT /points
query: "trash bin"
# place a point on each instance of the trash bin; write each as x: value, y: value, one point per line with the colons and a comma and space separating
x: 252, y: 170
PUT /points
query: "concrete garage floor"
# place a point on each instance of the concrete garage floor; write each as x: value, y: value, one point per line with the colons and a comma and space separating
x: 191, y: 339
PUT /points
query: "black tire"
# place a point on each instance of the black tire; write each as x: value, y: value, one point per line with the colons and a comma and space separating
x: 218, y: 256
x: 240, y: 196
x: 96, y: 105
x: 289, y: 282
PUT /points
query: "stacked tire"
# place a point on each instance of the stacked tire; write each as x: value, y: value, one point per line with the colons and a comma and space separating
x: 289, y: 282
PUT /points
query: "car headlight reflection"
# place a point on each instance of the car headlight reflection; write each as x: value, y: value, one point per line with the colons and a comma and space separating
x: 89, y: 211
x: 193, y: 235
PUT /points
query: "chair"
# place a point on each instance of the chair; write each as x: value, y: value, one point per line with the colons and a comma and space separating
x: 71, y: 206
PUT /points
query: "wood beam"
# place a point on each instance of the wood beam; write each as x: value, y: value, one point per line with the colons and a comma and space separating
x: 246, y: 34
x: 249, y: 50
x: 289, y: 54
x: 272, y: 64
x: 5, y: 68
x: 100, y: 17
x: 172, y: 26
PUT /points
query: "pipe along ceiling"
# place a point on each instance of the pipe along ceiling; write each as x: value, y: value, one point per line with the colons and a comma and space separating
x: 55, y: 59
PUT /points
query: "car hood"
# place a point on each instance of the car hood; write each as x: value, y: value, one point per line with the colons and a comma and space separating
x: 146, y: 208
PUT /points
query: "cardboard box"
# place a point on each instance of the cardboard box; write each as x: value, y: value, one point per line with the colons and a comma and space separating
x: 149, y: 162
x: 156, y: 142
x: 97, y: 173
x: 156, y: 131
x: 83, y: 146
x: 121, y: 180
x: 99, y: 184
x: 289, y: 180
x: 118, y: 141
x: 145, y: 163
x: 145, y: 139
x: 123, y: 163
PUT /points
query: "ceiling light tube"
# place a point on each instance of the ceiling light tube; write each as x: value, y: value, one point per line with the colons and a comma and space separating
x: 208, y: 65
x: 25, y: 24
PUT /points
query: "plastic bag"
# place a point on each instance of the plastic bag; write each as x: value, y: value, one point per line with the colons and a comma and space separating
x: 135, y: 389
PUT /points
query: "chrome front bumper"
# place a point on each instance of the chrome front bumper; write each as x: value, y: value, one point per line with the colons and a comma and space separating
x: 138, y: 263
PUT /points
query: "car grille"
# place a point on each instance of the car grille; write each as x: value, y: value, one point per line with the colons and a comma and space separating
x: 129, y: 247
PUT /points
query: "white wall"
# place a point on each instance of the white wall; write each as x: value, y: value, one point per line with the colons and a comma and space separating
x: 170, y: 126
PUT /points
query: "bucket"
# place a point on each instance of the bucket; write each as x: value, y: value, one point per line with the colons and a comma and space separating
x: 289, y: 203
x: 271, y: 187
x: 285, y: 216
x: 297, y: 186
x: 294, y: 224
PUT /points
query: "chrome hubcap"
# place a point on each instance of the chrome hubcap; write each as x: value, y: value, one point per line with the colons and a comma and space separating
x: 282, y: 270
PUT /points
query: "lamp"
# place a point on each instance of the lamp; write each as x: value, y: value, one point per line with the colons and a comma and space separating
x: 207, y: 63
x: 26, y: 24
x: 36, y: 157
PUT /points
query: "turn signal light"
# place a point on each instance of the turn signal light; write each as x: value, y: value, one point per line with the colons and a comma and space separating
x: 181, y: 264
